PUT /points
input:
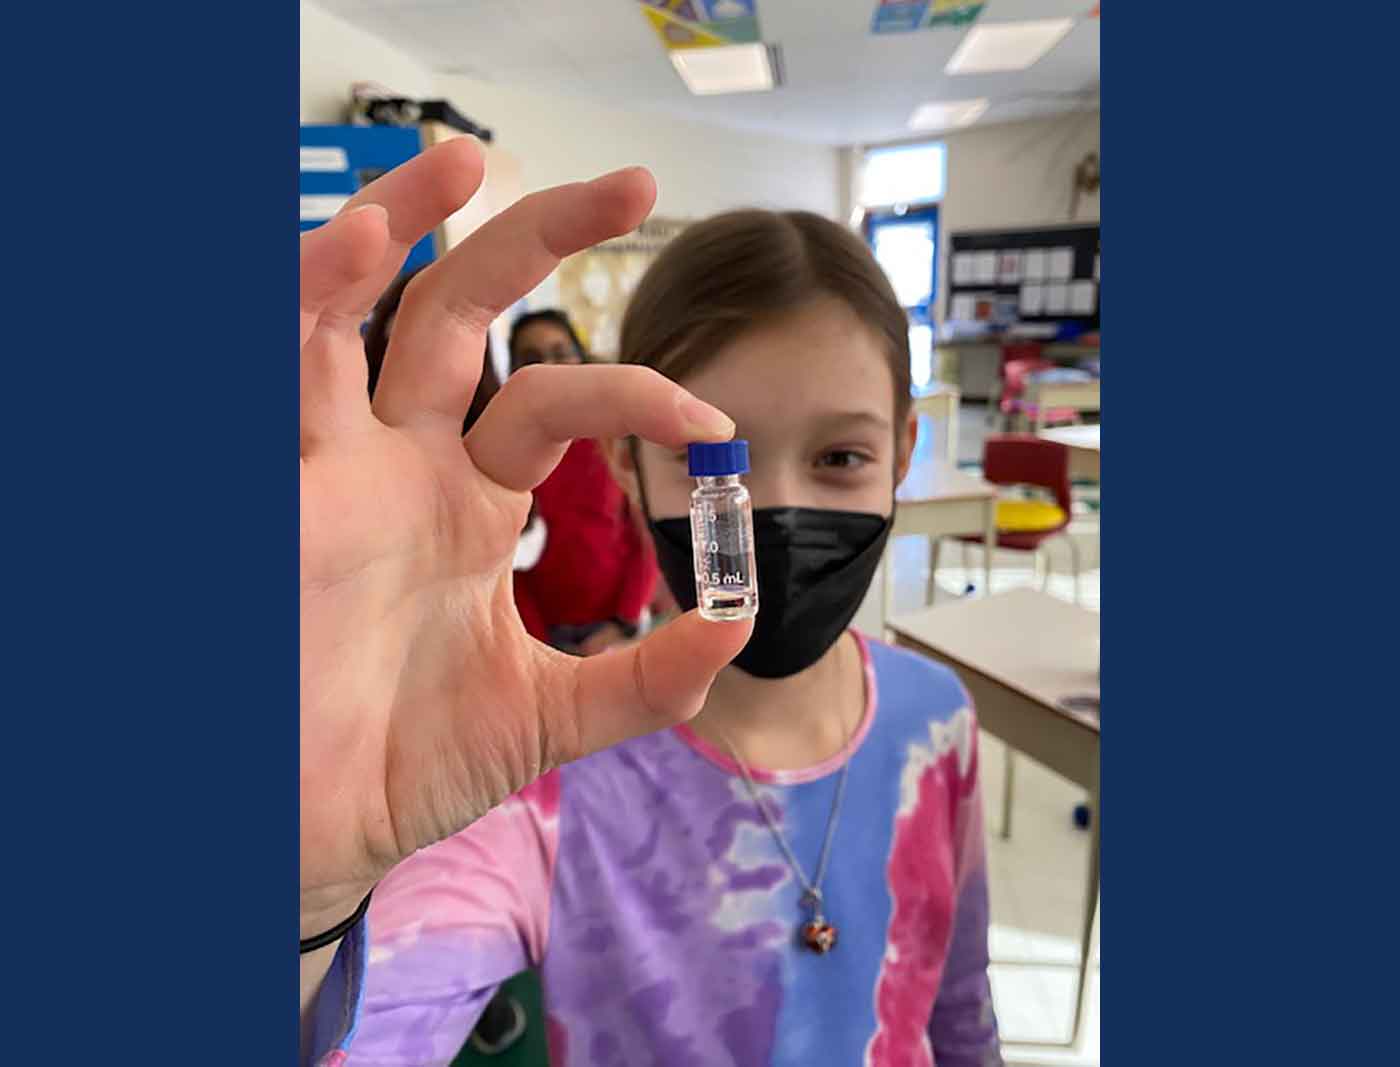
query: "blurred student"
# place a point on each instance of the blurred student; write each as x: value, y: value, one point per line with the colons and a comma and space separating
x: 597, y: 574
x: 545, y: 336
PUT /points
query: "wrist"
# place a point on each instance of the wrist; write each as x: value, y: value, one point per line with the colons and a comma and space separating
x: 324, y: 909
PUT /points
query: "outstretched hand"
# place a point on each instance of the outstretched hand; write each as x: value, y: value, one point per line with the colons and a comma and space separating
x: 424, y: 703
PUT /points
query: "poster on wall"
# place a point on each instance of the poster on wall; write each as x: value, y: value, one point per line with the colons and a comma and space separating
x: 906, y: 16
x: 594, y: 286
x: 702, y: 23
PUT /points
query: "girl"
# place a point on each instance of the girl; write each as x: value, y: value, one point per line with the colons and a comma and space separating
x: 591, y: 587
x: 798, y: 875
x: 545, y: 336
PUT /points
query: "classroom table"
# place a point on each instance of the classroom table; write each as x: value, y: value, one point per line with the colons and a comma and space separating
x: 1046, y: 397
x: 937, y: 500
x: 973, y: 365
x: 939, y: 401
x: 1021, y: 654
x: 1083, y: 445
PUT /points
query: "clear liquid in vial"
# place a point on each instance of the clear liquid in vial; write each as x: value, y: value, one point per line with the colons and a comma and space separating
x: 721, y: 523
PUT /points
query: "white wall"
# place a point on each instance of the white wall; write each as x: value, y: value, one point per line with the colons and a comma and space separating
x: 700, y: 169
x: 1014, y: 176
x: 335, y: 54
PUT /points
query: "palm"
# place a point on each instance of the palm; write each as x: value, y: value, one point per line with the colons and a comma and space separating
x: 423, y: 701
x: 401, y: 587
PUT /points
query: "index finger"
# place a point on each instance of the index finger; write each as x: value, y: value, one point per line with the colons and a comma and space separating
x: 434, y: 354
x: 523, y: 433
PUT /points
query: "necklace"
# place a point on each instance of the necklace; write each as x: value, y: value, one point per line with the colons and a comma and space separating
x: 817, y: 933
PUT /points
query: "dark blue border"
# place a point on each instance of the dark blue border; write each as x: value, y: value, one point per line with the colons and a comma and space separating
x: 150, y: 534
x: 1249, y: 629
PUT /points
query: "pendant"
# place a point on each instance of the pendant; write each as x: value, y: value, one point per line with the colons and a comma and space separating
x: 819, y: 936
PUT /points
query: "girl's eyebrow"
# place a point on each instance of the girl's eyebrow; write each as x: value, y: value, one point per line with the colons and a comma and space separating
x: 834, y: 420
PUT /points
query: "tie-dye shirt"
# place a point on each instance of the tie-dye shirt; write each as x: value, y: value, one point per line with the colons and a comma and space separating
x: 645, y: 885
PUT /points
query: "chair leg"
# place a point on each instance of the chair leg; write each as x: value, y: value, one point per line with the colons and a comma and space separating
x: 1045, y: 581
x: 1075, y: 562
x: 1007, y: 786
x: 930, y: 594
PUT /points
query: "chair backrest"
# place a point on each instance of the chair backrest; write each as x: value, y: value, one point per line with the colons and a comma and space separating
x: 1024, y: 459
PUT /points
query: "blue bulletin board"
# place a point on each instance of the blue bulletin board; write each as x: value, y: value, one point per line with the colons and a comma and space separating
x: 338, y: 161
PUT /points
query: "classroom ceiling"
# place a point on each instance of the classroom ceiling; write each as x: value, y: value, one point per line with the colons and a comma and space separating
x: 843, y: 84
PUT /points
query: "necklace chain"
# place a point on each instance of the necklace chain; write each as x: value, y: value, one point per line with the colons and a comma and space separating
x: 813, y: 888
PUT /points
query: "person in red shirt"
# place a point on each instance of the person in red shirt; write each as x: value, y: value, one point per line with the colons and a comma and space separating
x: 592, y: 584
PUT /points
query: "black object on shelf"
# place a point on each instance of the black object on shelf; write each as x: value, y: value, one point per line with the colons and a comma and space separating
x: 401, y: 111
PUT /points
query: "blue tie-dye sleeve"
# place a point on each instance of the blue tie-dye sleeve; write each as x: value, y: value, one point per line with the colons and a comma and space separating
x: 338, y: 1005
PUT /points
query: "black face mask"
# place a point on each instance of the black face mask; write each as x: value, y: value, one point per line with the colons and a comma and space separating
x: 814, y: 567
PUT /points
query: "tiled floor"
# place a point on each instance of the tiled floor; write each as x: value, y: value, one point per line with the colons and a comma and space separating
x: 1038, y: 876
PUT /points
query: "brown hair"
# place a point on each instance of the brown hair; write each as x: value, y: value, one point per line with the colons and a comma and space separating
x: 376, y: 336
x: 721, y: 277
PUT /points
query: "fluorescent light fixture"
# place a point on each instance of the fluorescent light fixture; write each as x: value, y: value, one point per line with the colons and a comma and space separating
x: 1006, y: 45
x: 947, y: 114
x: 731, y: 68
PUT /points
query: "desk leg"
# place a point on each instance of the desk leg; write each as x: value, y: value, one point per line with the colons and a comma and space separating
x: 1091, y: 907
x: 931, y: 592
x: 989, y: 544
x: 1008, y: 782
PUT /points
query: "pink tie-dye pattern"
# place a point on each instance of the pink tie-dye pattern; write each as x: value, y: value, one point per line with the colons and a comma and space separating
x: 923, y: 886
x: 334, y: 1058
x: 519, y: 839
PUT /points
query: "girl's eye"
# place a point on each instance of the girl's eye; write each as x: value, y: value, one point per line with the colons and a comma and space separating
x: 843, y: 459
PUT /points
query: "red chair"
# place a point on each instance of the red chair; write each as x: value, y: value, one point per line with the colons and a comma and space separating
x: 1025, y: 525
x: 1019, y: 360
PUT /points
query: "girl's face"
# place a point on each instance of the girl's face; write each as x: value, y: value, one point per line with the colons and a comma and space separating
x: 546, y: 342
x: 813, y: 395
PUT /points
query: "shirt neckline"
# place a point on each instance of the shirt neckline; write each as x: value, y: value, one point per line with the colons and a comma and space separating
x: 725, y: 762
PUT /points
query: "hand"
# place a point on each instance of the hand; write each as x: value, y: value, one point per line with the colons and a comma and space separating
x: 423, y: 701
x: 607, y: 636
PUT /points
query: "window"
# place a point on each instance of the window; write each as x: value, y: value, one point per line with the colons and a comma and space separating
x: 904, y: 174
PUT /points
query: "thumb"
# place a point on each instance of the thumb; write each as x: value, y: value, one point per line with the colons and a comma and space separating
x: 658, y: 682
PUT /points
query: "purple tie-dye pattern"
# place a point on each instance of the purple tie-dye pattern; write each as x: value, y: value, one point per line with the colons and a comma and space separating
x: 645, y: 885
x: 624, y: 994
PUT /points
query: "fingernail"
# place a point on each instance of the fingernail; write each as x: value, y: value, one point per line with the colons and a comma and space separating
x: 705, y: 419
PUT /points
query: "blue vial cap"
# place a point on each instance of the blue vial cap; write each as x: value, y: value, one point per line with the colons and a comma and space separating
x: 727, y: 457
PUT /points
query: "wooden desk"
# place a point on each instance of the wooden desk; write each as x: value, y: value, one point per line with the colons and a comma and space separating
x: 1083, y: 445
x: 1047, y: 396
x: 1020, y: 654
x: 936, y: 500
x: 941, y: 402
x: 974, y: 364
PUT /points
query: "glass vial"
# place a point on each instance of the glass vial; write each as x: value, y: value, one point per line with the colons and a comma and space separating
x: 721, y: 532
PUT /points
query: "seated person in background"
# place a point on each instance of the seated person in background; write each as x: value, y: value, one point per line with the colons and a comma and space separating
x: 545, y: 336
x: 597, y: 573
